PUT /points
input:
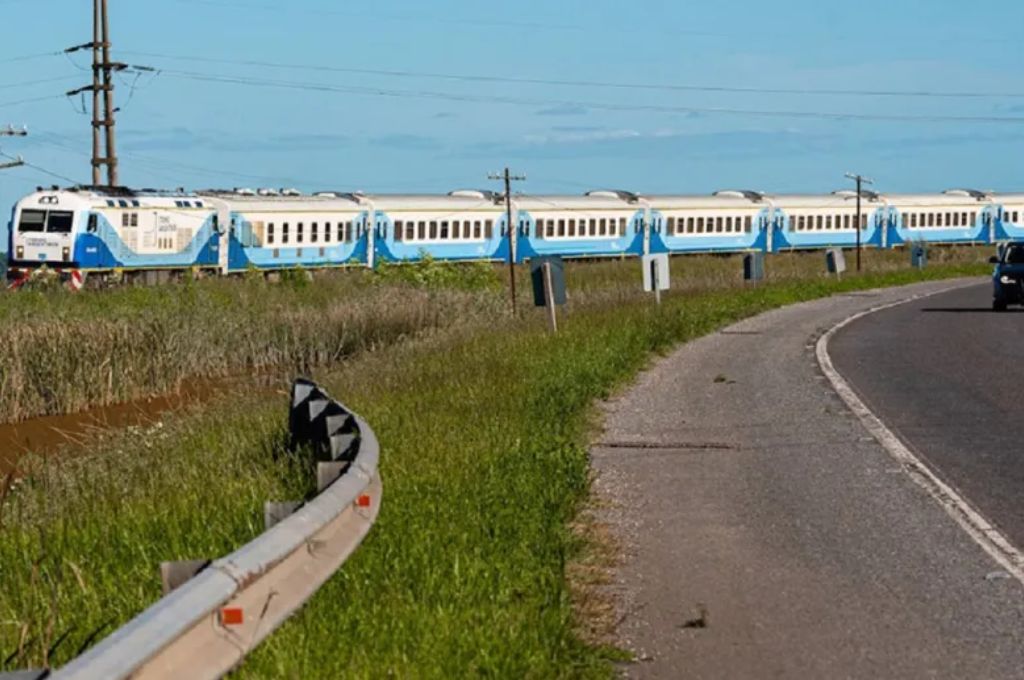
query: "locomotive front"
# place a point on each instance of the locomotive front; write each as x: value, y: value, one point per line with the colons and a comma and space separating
x: 43, y: 232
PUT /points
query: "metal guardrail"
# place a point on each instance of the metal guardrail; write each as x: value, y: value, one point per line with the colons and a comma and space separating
x: 207, y: 625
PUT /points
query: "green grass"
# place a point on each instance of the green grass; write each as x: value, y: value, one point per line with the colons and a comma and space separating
x: 64, y: 353
x: 483, y: 428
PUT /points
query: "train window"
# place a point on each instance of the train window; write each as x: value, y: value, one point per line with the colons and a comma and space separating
x: 341, y: 232
x: 561, y: 228
x: 956, y: 219
x: 123, y: 204
x: 489, y: 229
x: 602, y: 226
x: 592, y: 231
x: 1015, y: 214
x: 59, y: 222
x: 974, y: 218
x: 718, y: 225
x: 299, y: 232
x: 728, y: 223
x: 314, y: 232
x: 111, y: 204
x: 135, y: 219
x: 327, y: 232
x: 445, y: 230
x: 671, y: 226
x: 433, y: 229
x: 285, y: 235
x: 748, y: 224
x: 124, y: 219
x: 817, y: 221
x: 700, y: 225
x: 963, y: 220
x: 270, y: 234
x: 477, y: 232
x: 689, y: 225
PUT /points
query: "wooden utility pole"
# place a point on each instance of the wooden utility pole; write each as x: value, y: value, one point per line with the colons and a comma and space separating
x: 860, y: 180
x: 102, y: 87
x: 508, y: 178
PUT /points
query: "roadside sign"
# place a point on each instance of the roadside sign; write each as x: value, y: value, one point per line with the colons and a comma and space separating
x: 656, y: 274
x: 557, y: 268
x: 835, y: 261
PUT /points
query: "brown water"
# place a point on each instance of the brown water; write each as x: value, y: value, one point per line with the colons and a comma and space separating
x: 64, y: 434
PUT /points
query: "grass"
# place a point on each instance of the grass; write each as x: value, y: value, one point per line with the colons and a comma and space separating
x: 64, y: 353
x: 484, y: 431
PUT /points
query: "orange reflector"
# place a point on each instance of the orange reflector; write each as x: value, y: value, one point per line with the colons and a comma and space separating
x: 231, y: 616
x: 363, y: 501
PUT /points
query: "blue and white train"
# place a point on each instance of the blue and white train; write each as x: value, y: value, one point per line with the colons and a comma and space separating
x: 87, y: 229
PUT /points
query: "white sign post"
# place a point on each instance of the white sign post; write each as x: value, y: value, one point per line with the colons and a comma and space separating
x: 656, y: 274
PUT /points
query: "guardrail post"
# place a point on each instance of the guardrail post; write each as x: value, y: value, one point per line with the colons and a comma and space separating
x: 175, y: 574
x: 275, y: 512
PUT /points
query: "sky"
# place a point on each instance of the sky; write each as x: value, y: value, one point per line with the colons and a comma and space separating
x: 653, y: 96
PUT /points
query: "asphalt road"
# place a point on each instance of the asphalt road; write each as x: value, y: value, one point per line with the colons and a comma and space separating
x: 946, y: 374
x: 767, y: 535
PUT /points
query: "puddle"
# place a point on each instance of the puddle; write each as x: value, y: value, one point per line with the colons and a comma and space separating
x: 52, y: 435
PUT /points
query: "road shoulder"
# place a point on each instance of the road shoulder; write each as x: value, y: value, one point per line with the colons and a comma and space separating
x: 767, y: 533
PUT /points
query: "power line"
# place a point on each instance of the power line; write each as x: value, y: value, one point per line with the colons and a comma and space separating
x: 657, y: 108
x: 29, y: 57
x: 559, y: 82
x: 39, y: 169
x: 37, y: 81
x: 18, y: 102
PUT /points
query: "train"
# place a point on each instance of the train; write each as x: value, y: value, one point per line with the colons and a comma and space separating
x: 86, y: 230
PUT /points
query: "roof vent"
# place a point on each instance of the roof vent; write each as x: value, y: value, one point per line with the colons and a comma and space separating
x: 244, y: 192
x: 620, y: 194
x: 969, y: 193
x: 750, y: 195
x: 290, y: 192
x: 867, y: 194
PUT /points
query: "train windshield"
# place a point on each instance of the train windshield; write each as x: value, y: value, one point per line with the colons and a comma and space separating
x: 54, y: 222
x: 32, y: 220
x: 59, y: 222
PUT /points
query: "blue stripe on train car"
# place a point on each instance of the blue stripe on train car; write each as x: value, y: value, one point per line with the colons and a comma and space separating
x: 392, y: 250
x: 786, y: 238
x: 105, y: 249
x: 244, y: 253
x: 743, y: 241
x: 531, y: 245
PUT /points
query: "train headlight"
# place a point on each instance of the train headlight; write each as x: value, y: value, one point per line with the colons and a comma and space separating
x: 1006, y: 280
x: 19, y: 252
x: 65, y: 254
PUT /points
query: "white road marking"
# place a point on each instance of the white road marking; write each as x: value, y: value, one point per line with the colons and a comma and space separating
x: 984, y: 533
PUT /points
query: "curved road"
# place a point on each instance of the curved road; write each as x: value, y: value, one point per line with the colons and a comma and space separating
x: 946, y: 374
x: 767, y: 534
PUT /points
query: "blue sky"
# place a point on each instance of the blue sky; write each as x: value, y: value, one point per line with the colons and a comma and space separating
x: 378, y: 132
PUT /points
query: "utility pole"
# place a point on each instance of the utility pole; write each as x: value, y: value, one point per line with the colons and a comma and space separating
x: 508, y: 178
x: 11, y: 131
x: 102, y: 87
x: 860, y: 180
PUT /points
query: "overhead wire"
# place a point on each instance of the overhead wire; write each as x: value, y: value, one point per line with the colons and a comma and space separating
x: 40, y: 169
x: 658, y: 108
x: 564, y: 82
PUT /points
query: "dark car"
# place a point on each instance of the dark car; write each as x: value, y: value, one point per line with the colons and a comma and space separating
x: 1008, y: 277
